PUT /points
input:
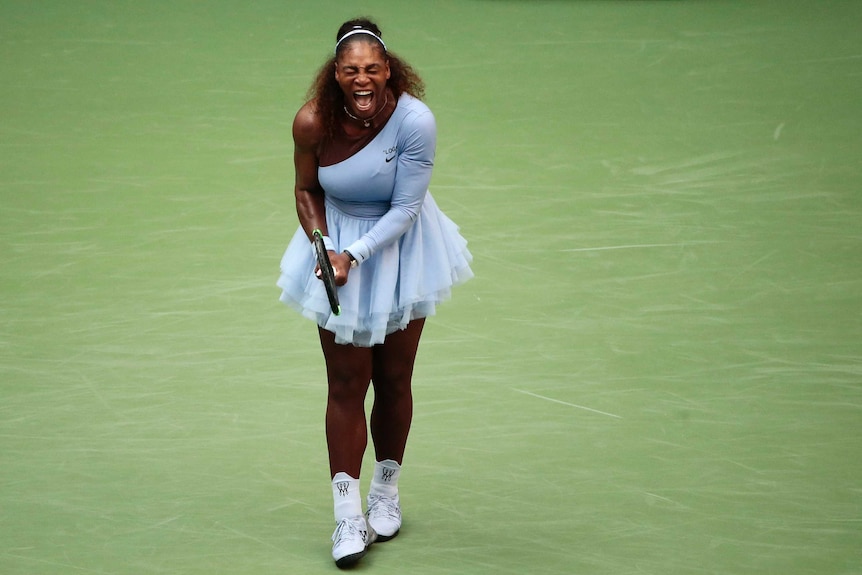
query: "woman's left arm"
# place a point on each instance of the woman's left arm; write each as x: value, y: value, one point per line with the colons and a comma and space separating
x: 413, y: 174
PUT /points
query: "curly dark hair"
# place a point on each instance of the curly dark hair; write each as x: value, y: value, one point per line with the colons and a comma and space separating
x: 325, y: 93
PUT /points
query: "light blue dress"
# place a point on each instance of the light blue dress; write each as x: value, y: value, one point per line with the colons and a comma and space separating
x: 378, y: 207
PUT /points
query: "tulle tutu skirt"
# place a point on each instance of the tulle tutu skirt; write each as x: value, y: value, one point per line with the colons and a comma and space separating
x: 399, y: 283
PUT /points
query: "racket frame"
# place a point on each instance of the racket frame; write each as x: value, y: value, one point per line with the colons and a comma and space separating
x: 326, y: 272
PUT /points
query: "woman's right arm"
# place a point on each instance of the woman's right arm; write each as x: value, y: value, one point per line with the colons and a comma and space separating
x: 307, y: 134
x: 310, y: 208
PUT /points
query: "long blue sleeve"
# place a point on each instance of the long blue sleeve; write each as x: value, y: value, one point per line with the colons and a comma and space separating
x: 416, y: 146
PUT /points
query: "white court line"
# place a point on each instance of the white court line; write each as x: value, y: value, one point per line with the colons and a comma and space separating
x: 629, y: 247
x: 567, y: 403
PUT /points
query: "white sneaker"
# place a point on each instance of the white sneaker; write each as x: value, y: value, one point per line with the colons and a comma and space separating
x: 351, y: 540
x: 384, y: 516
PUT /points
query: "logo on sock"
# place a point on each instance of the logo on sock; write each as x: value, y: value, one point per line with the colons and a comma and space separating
x: 387, y: 474
x: 343, y: 488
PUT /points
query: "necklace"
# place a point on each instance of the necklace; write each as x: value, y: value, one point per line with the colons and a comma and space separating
x: 367, y: 123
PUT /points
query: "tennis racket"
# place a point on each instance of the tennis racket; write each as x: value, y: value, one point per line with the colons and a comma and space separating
x: 326, y: 272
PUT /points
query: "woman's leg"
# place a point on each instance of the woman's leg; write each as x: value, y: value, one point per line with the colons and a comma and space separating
x: 392, y: 375
x: 391, y: 416
x: 348, y: 371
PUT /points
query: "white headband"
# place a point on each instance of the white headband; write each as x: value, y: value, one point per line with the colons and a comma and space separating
x: 359, y: 31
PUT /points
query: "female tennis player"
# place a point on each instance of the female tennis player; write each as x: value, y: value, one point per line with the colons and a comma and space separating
x: 364, y: 149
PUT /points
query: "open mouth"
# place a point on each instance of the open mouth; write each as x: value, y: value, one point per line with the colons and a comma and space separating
x: 363, y: 100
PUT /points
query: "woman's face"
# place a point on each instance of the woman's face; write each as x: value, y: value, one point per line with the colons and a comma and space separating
x: 362, y: 71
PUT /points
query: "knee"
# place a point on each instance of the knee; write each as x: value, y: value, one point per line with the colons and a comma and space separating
x: 347, y: 385
x: 393, y: 383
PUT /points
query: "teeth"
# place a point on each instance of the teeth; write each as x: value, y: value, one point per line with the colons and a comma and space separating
x: 363, y: 100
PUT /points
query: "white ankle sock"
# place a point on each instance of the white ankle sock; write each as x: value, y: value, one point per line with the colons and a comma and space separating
x: 384, y: 482
x: 345, y: 494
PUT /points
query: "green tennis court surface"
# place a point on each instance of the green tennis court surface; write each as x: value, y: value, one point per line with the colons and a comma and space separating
x: 657, y: 370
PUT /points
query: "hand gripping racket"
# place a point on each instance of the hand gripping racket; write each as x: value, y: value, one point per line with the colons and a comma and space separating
x: 326, y: 273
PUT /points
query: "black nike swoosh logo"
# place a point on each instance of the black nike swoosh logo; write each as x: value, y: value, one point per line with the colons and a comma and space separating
x: 389, y: 159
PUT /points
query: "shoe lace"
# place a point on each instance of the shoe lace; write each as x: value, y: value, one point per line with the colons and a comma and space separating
x: 380, y: 507
x: 349, y: 529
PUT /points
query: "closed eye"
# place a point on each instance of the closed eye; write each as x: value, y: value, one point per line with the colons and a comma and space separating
x: 353, y: 70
